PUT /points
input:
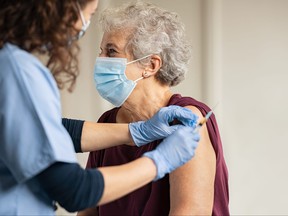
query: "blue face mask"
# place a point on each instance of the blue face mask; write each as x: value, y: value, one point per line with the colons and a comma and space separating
x: 111, y: 81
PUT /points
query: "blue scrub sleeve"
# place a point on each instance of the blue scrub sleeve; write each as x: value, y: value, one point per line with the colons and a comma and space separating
x: 74, y: 128
x: 71, y: 186
x: 32, y: 135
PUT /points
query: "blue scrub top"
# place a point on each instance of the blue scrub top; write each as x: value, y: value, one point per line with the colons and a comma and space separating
x: 31, y: 133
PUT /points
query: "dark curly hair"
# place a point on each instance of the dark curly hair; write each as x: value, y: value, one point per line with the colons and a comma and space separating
x: 44, y: 27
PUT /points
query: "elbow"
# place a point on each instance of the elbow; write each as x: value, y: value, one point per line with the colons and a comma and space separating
x: 69, y: 207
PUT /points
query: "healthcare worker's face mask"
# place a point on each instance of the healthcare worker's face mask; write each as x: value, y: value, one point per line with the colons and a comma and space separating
x: 111, y: 81
x: 85, y: 24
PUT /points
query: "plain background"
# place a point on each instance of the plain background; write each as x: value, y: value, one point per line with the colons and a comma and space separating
x: 240, y: 59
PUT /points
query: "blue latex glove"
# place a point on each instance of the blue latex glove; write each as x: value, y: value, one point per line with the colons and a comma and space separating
x: 158, y: 127
x: 174, y: 151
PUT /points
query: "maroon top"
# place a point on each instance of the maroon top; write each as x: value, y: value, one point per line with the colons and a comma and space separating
x: 154, y: 198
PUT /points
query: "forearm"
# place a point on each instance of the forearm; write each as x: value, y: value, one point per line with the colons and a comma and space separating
x: 74, y: 128
x: 121, y: 180
x: 91, y: 136
x: 76, y: 189
x: 96, y: 136
x: 71, y: 186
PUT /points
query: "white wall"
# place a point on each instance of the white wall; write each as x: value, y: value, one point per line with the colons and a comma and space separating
x: 255, y: 75
x: 240, y: 53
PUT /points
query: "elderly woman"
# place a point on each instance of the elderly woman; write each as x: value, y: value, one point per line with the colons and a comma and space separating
x: 143, y: 54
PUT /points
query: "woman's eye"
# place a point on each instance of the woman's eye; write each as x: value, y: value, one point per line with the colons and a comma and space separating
x: 111, y: 52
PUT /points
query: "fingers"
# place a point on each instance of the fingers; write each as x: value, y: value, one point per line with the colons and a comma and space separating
x: 174, y: 128
x: 189, y: 135
x: 196, y: 136
x: 184, y: 115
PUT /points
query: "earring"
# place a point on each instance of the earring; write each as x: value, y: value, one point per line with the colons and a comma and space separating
x: 145, y: 74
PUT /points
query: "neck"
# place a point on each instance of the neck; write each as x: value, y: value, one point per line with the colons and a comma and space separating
x: 143, y: 103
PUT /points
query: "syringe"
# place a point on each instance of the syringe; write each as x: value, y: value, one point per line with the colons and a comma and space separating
x: 202, y: 121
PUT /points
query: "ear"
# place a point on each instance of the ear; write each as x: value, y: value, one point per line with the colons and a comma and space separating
x: 154, y: 66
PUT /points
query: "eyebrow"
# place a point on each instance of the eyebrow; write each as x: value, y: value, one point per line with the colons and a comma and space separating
x: 111, y: 45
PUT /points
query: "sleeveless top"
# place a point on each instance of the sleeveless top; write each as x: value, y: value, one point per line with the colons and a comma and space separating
x: 154, y: 198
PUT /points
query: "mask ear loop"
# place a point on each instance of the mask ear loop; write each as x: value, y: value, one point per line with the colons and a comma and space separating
x: 138, y: 79
x: 131, y: 62
x: 81, y: 14
x: 145, y: 75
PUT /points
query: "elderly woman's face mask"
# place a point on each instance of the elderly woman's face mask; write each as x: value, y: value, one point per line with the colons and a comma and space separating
x: 111, y: 81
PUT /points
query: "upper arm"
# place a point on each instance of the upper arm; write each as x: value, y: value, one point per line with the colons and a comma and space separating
x: 192, y: 185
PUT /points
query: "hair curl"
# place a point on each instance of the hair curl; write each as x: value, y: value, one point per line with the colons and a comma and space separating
x: 44, y: 27
x: 153, y: 31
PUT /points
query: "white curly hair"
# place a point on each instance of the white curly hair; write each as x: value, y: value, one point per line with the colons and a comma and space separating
x: 153, y: 31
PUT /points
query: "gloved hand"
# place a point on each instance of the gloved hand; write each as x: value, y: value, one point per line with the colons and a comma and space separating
x: 158, y: 127
x: 174, y: 151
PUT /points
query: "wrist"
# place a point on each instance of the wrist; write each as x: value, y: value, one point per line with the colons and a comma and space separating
x: 150, y: 163
x: 160, y: 165
x: 135, y: 131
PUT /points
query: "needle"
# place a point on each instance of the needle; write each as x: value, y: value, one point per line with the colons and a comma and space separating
x: 204, y: 120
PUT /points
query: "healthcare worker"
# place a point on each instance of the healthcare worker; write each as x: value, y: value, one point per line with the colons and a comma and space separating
x: 37, y: 159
